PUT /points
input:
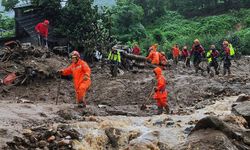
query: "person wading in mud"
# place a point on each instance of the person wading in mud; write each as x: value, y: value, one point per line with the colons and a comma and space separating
x: 186, y: 56
x: 81, y: 72
x: 42, y: 30
x: 212, y: 58
x: 154, y: 56
x: 175, y: 53
x: 114, y: 58
x: 197, y: 52
x: 226, y: 58
x: 160, y: 94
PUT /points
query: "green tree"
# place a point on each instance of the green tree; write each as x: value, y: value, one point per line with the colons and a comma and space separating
x: 127, y: 18
x: 153, y: 9
x: 79, y: 23
x: 9, y: 4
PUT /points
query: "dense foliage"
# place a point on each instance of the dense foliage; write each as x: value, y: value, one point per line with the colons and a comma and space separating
x: 169, y: 27
x: 6, y: 26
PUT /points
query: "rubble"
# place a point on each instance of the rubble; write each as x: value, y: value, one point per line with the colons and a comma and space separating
x: 61, y: 138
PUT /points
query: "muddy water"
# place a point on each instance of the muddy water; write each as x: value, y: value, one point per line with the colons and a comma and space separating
x: 168, y: 129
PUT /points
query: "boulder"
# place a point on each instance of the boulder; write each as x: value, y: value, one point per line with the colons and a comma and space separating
x: 242, y: 109
x: 243, y: 98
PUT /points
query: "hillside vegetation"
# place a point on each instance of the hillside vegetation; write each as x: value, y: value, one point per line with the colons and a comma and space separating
x: 133, y: 24
x: 174, y: 28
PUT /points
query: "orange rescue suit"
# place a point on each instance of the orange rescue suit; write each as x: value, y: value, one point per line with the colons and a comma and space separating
x: 160, y: 94
x: 163, y: 59
x: 154, y: 57
x: 78, y: 71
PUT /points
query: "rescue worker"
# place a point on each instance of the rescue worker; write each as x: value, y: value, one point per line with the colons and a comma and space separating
x: 226, y: 58
x: 186, y: 56
x: 160, y: 94
x: 42, y: 29
x: 175, y: 53
x: 154, y: 56
x: 198, y: 53
x: 212, y: 58
x: 81, y: 72
x: 136, y: 50
x: 114, y: 58
x: 163, y: 60
x: 232, y: 51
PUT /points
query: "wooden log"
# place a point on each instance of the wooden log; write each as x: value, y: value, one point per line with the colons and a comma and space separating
x: 133, y: 57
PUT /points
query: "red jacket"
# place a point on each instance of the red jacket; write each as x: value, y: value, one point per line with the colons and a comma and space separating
x: 42, y: 29
x: 197, y: 50
x: 185, y: 53
x: 175, y: 52
x: 227, y: 51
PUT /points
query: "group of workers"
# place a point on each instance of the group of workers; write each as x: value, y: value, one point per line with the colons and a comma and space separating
x: 198, y: 53
x: 81, y: 72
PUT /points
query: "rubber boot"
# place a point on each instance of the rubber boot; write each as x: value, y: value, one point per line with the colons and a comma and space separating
x: 167, y: 109
x: 160, y: 110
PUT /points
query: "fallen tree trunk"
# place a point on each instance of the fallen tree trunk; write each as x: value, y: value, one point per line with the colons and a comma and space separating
x: 133, y: 57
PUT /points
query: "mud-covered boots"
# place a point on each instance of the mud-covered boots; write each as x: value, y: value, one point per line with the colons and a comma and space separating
x: 160, y: 110
x: 167, y: 109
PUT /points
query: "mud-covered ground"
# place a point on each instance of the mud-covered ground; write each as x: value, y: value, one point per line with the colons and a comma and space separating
x: 34, y: 105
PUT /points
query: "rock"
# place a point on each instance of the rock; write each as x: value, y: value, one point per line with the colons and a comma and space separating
x: 243, y: 98
x: 33, y: 139
x: 42, y: 144
x: 64, y: 142
x: 207, y: 139
x: 243, y: 109
x: 27, y: 132
x: 19, y: 141
x: 3, y: 132
x: 246, y: 140
x: 199, y: 106
x: 170, y: 123
x: 52, y: 138
x: 73, y: 134
x: 113, y: 134
x: 67, y: 114
x: 48, y: 134
x: 188, y: 130
x: 217, y: 124
x: 237, y: 120
x: 146, y: 141
x: 133, y: 135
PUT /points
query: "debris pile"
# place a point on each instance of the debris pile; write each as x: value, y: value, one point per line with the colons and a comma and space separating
x: 60, y: 137
x: 22, y: 63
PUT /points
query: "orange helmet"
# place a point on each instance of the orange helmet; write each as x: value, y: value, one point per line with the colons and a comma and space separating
x: 75, y: 53
x: 46, y: 22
